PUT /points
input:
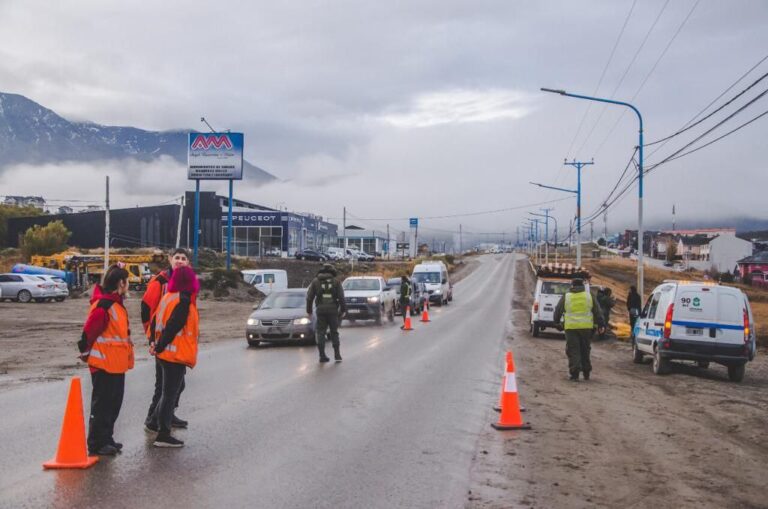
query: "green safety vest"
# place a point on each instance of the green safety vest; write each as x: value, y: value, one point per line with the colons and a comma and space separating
x: 578, y: 311
x: 326, y: 295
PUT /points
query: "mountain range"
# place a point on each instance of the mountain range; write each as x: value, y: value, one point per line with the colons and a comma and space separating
x: 33, y: 134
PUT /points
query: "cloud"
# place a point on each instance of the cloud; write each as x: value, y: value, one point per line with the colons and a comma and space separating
x: 461, y: 106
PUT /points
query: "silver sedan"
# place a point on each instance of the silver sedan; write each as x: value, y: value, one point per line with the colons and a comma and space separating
x: 281, y: 318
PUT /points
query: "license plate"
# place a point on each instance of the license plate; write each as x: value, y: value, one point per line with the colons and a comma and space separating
x: 274, y: 330
x: 353, y: 311
x: 694, y: 331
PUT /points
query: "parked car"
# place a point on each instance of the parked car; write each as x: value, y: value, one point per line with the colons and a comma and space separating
x: 273, y: 251
x: 281, y: 318
x: 60, y: 286
x: 435, y: 276
x: 365, y: 257
x: 696, y: 321
x: 668, y: 263
x: 312, y: 255
x: 335, y: 253
x: 368, y: 298
x: 419, y: 296
x: 25, y: 288
x: 266, y: 280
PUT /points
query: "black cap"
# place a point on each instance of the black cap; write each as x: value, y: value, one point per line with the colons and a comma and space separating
x: 577, y: 282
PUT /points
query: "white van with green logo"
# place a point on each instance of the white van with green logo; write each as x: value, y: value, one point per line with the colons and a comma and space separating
x: 696, y: 321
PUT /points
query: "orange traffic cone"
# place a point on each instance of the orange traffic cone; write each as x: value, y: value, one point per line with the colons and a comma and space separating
x: 510, y: 417
x: 497, y: 407
x: 425, y: 312
x: 72, y: 452
x: 407, y: 324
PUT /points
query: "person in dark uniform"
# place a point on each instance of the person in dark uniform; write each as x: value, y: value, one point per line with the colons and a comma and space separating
x: 405, y: 297
x: 327, y: 296
x: 634, y: 304
x: 581, y: 313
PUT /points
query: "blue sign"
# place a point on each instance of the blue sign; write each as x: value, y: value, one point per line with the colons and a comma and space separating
x: 414, y: 222
x: 215, y: 156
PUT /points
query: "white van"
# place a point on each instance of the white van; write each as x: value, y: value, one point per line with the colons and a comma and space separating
x: 435, y: 277
x: 698, y: 321
x: 335, y: 253
x: 266, y: 280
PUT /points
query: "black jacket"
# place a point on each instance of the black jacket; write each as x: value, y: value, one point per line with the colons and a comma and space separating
x: 634, y: 301
x: 315, y: 291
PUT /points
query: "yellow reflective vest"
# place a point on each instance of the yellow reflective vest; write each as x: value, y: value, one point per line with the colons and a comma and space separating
x: 578, y: 311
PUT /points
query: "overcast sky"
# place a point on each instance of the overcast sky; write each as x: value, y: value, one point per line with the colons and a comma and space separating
x: 400, y: 109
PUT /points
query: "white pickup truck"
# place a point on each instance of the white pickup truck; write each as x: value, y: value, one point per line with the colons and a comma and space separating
x: 368, y: 298
x: 552, y: 283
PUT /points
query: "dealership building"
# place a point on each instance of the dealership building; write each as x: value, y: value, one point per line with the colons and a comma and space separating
x: 257, y: 230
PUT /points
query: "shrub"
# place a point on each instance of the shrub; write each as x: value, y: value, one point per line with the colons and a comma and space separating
x: 9, y: 211
x: 45, y: 240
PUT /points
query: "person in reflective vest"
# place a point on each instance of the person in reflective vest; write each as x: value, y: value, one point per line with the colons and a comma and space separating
x: 581, y: 314
x: 156, y: 288
x: 106, y: 346
x: 327, y: 296
x: 405, y: 297
x: 175, y: 329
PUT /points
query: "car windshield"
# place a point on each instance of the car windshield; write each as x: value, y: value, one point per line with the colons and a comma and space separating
x: 284, y: 300
x: 58, y: 280
x: 361, y: 284
x: 554, y: 287
x: 427, y: 277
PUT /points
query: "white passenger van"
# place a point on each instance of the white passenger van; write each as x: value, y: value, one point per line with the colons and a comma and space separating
x: 434, y: 274
x: 697, y: 321
x: 266, y: 280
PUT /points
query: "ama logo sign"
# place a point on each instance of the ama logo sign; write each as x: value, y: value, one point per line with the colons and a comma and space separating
x: 215, y: 156
x: 206, y: 141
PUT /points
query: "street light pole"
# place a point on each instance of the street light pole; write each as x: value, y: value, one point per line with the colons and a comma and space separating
x: 640, y: 233
x: 578, y: 165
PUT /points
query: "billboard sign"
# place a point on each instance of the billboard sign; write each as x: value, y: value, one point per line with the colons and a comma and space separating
x: 215, y: 156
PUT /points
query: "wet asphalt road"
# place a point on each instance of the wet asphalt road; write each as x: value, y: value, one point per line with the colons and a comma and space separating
x: 394, y: 425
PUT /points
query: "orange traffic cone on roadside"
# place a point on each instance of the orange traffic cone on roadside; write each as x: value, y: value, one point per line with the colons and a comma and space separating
x: 510, y: 417
x: 72, y: 451
x: 497, y: 407
x: 425, y: 312
x: 407, y: 324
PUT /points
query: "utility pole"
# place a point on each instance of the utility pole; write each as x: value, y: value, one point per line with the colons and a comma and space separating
x: 344, y: 231
x: 106, y: 230
x: 605, y: 227
x: 592, y: 231
x: 578, y: 165
x: 461, y: 248
x: 389, y: 247
x: 178, y: 227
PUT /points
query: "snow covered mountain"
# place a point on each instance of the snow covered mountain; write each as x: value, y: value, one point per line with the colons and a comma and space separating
x: 30, y: 133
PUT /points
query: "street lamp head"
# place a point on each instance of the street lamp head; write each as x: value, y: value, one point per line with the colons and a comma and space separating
x: 553, y: 91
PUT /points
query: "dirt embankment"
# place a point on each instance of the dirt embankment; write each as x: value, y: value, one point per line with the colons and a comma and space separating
x: 626, y: 438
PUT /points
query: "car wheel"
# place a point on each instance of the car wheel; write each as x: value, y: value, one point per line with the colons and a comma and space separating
x: 24, y: 296
x: 736, y: 372
x: 637, y: 355
x: 253, y: 342
x: 60, y: 299
x: 379, y: 316
x: 535, y: 330
x: 661, y: 365
x: 703, y: 364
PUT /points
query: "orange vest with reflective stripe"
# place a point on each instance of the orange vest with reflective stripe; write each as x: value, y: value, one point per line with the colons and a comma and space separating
x: 161, y: 278
x: 113, y: 351
x: 183, y: 348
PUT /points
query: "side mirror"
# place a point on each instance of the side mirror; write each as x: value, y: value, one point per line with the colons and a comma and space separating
x: 444, y: 281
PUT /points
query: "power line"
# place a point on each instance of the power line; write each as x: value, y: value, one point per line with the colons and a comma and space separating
x: 626, y: 71
x: 647, y: 76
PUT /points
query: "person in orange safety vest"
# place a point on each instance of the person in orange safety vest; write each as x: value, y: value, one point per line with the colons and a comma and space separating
x: 106, y: 346
x: 175, y: 329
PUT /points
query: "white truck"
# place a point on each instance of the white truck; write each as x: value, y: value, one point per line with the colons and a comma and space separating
x: 266, y: 280
x: 552, y: 283
x: 368, y: 298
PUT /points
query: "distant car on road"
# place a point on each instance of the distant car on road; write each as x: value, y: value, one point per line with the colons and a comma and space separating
x: 312, y: 255
x: 368, y: 298
x: 25, y: 288
x: 281, y: 318
x: 668, y: 263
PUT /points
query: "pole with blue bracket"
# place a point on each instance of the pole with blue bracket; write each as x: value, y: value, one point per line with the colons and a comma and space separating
x: 229, y: 228
x: 197, y: 223
x: 578, y: 165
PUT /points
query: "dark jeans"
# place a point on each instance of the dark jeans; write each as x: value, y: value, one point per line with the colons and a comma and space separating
x: 327, y: 320
x: 578, y: 348
x: 632, y: 320
x: 404, y: 304
x: 173, y: 380
x: 106, y: 400
x: 159, y: 391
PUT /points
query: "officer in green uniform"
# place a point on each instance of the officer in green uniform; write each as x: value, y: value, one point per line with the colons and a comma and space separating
x: 405, y: 297
x: 581, y: 314
x: 327, y: 295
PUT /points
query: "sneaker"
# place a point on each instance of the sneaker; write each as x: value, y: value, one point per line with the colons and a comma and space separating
x: 168, y: 441
x: 104, y: 450
x: 337, y: 356
x: 179, y: 423
x: 151, y: 427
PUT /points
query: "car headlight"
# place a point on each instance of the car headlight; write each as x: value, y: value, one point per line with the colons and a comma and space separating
x: 302, y: 321
x: 252, y: 321
x: 438, y: 292
x: 373, y: 300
